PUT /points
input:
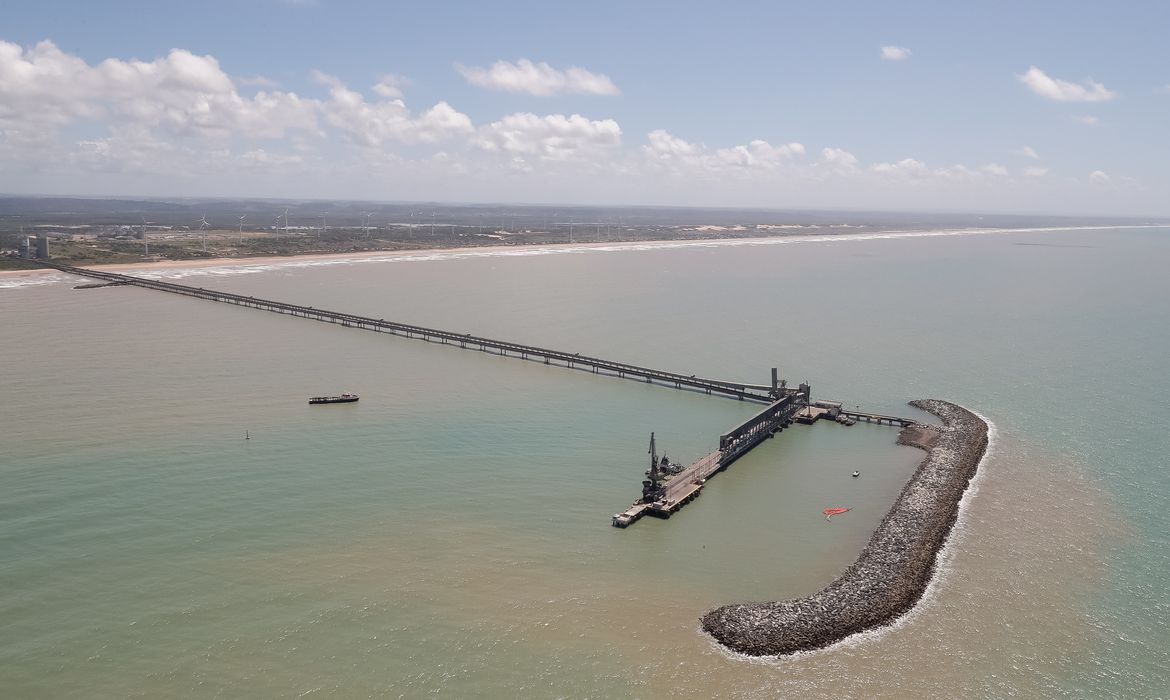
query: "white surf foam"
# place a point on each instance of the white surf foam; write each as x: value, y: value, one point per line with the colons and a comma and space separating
x: 246, y: 268
x: 578, y: 249
x: 943, y: 569
x: 36, y: 280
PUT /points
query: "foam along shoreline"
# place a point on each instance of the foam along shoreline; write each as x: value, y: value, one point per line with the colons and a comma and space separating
x: 260, y: 263
x: 894, y: 568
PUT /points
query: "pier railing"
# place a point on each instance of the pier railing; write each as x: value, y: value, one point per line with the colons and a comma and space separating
x: 879, y: 418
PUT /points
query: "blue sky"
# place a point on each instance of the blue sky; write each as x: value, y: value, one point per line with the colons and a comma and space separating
x: 1047, y: 107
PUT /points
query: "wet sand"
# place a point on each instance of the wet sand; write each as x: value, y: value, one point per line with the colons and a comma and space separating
x: 364, y: 255
x: 259, y: 260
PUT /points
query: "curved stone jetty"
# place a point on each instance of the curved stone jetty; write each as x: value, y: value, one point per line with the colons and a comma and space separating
x: 895, y: 566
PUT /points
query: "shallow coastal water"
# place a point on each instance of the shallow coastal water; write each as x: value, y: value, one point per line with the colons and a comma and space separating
x: 449, y: 534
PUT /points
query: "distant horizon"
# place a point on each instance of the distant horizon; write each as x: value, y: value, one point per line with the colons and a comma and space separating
x: 1155, y: 218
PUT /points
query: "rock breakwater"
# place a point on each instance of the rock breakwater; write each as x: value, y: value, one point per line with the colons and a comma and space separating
x: 894, y: 568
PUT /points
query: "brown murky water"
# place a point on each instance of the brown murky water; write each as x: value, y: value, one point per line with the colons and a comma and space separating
x: 448, y: 536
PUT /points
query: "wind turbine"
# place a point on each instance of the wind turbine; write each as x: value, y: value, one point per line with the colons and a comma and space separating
x: 203, y: 226
x: 285, y: 221
x: 322, y: 227
x: 242, y: 229
x: 145, y: 243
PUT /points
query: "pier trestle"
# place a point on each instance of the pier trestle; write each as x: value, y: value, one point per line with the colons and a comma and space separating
x: 662, y: 499
x: 665, y: 497
x: 760, y: 393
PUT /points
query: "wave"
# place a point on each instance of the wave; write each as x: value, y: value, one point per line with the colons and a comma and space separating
x: 943, y: 569
x: 584, y: 248
x: 37, y: 280
x: 246, y: 268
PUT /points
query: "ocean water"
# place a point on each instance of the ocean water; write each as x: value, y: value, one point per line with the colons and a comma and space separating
x: 449, y: 536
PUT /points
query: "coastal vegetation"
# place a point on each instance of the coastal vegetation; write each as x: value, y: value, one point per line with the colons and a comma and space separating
x: 95, y: 231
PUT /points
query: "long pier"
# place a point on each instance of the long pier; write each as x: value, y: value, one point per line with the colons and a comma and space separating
x: 743, y: 391
x: 662, y: 494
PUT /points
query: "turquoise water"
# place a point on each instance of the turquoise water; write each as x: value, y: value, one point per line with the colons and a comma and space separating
x: 449, y: 534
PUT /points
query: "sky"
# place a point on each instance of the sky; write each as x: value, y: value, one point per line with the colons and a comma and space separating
x: 1045, y: 107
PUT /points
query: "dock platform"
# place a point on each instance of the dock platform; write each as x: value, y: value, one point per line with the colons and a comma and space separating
x: 666, y: 497
x: 675, y: 492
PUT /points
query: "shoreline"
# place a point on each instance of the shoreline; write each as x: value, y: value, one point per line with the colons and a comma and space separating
x: 896, y: 566
x: 198, y: 263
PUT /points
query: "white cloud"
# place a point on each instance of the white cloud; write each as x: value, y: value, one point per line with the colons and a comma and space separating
x: 257, y: 80
x: 661, y: 145
x: 673, y: 153
x: 180, y: 123
x: 955, y: 173
x: 895, y: 53
x: 184, y: 93
x: 390, y: 85
x: 912, y: 170
x: 551, y: 137
x: 758, y: 154
x: 538, y: 79
x: 260, y: 159
x: 907, y: 168
x: 1063, y: 91
x: 839, y: 160
x: 129, y: 149
x: 373, y: 124
x: 1087, y: 120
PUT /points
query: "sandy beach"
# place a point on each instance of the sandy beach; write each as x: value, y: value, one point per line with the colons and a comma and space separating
x: 220, y: 262
x: 279, y: 259
x: 129, y: 268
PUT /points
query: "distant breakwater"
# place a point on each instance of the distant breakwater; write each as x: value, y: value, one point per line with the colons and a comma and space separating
x: 894, y: 568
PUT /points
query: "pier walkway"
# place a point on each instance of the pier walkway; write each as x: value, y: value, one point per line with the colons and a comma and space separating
x: 879, y: 419
x: 745, y: 392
